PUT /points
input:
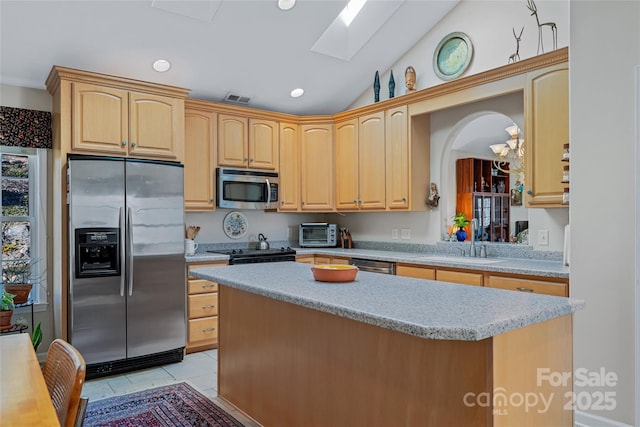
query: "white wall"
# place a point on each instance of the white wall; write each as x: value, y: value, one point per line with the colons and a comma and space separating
x: 605, y: 49
x: 489, y: 25
x: 275, y: 226
x: 22, y: 97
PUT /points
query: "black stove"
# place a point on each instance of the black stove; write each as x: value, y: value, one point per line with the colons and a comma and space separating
x: 250, y: 256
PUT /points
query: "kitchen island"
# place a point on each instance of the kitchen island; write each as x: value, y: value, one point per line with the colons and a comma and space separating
x: 387, y: 350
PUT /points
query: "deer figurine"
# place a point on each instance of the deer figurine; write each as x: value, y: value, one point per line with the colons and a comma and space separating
x: 554, y: 31
x: 516, y: 56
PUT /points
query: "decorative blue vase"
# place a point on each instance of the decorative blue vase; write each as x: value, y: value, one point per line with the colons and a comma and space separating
x: 461, y: 235
x: 376, y: 87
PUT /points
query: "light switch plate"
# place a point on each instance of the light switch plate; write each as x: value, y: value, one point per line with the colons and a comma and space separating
x: 406, y: 233
x: 394, y: 233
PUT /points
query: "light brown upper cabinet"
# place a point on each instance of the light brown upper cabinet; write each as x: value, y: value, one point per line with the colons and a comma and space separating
x: 346, y: 164
x: 247, y: 143
x: 360, y: 163
x: 199, y: 157
x: 546, y: 131
x: 316, y: 167
x: 127, y: 123
x: 289, y: 191
x: 398, y: 166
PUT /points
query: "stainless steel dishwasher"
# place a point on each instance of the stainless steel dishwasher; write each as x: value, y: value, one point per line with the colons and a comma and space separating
x: 383, y: 267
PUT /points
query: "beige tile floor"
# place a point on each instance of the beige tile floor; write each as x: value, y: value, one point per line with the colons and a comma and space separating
x: 197, y: 369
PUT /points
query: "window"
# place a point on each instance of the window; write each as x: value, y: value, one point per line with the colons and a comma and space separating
x: 21, y: 202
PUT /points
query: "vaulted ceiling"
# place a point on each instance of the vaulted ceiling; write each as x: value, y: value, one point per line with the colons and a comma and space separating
x: 249, y: 48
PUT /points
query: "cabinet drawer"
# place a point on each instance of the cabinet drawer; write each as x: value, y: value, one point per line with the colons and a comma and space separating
x: 459, y: 277
x: 204, y: 305
x: 201, y: 286
x: 205, y: 329
x: 322, y: 260
x: 306, y: 259
x: 339, y: 260
x: 417, y: 272
x: 528, y: 285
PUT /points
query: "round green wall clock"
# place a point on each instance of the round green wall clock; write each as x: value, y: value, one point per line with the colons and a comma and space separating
x: 452, y: 56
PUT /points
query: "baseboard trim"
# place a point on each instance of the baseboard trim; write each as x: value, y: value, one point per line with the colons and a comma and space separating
x: 583, y: 419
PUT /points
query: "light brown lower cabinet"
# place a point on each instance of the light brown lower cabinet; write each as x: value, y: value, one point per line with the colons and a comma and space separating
x: 559, y: 288
x: 322, y: 259
x: 202, y: 311
x: 462, y: 277
x: 420, y: 272
x: 306, y: 259
x: 533, y: 284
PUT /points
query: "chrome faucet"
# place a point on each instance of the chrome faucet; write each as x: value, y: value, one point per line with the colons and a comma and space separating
x: 474, y: 230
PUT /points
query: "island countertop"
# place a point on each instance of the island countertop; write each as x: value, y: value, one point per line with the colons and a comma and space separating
x: 422, y: 308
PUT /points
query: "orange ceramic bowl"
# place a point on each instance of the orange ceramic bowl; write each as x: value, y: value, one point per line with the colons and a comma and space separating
x: 334, y: 272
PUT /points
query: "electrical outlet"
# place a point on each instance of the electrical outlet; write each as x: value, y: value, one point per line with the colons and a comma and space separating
x: 394, y: 233
x: 406, y: 233
x: 543, y: 237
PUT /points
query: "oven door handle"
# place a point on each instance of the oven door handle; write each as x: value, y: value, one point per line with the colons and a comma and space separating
x: 268, y: 193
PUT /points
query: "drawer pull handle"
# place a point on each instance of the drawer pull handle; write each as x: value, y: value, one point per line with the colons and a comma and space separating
x: 208, y: 286
x: 525, y: 289
x: 209, y: 330
x: 208, y: 306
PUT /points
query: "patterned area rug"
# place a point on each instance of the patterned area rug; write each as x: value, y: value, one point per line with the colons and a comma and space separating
x: 168, y: 406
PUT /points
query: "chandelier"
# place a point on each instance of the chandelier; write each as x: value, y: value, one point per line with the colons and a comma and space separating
x: 509, y: 156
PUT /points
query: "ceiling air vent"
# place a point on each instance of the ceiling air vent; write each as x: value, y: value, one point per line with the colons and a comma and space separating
x: 236, y: 99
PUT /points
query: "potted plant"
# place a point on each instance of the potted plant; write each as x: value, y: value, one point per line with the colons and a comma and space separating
x: 16, y: 278
x: 461, y: 221
x: 6, y: 310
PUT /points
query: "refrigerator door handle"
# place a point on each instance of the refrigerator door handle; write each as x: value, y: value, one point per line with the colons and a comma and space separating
x: 122, y: 250
x: 130, y: 248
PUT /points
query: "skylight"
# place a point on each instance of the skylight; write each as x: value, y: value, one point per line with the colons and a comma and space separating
x: 351, y: 10
x: 354, y: 26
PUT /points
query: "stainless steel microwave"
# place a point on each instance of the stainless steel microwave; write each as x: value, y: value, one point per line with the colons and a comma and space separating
x: 318, y: 235
x: 247, y: 189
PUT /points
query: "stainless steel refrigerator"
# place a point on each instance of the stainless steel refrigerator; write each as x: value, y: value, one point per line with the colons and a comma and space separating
x: 126, y: 258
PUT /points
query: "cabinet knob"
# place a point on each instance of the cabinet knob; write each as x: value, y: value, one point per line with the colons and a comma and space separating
x: 302, y: 202
x: 246, y: 158
x: 524, y: 289
x: 282, y: 202
x: 124, y: 143
x: 529, y: 192
x: 133, y: 144
x: 212, y: 200
x: 404, y: 199
x: 251, y: 159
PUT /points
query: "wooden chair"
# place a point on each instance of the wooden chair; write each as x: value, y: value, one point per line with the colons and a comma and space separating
x: 64, y: 373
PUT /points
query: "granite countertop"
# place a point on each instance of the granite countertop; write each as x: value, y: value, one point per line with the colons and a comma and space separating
x: 534, y: 267
x: 423, y: 308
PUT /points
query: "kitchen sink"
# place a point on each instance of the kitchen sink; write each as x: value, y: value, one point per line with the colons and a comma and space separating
x: 458, y: 259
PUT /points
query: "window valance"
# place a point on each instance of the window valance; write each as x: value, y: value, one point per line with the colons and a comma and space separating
x: 25, y: 128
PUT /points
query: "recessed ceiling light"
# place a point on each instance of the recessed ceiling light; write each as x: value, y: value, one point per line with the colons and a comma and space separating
x: 286, y: 4
x: 297, y: 93
x: 161, y: 65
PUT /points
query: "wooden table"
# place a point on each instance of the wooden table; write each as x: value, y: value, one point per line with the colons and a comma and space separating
x: 24, y: 399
